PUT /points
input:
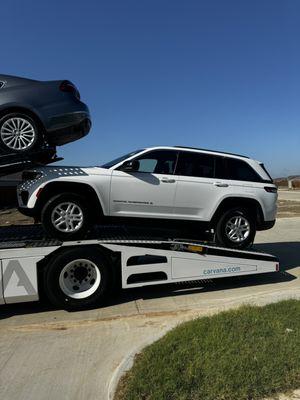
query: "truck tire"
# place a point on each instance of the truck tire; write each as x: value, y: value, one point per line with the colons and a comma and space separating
x: 66, y: 216
x: 236, y: 229
x: 77, y: 278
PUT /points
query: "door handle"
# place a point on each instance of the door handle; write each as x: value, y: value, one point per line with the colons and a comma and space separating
x: 220, y: 184
x: 168, y: 180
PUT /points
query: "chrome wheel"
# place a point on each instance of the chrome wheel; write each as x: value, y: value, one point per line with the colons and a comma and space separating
x: 18, y: 133
x: 79, y: 279
x: 237, y: 229
x: 67, y: 217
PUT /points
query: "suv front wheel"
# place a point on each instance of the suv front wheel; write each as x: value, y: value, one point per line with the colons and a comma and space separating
x: 236, y: 228
x: 66, y: 216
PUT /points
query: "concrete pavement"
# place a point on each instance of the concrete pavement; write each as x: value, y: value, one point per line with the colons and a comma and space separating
x: 293, y: 195
x: 46, y: 353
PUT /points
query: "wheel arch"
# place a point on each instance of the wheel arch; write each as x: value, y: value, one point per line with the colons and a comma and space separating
x: 15, y: 108
x: 83, y: 189
x: 245, y: 202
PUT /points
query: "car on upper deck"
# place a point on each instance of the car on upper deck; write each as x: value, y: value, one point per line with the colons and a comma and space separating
x: 231, y: 194
x: 34, y: 114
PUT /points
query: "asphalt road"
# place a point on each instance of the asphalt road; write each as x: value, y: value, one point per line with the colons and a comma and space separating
x: 53, y: 354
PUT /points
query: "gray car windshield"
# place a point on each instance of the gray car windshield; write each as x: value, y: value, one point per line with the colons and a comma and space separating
x: 120, y: 159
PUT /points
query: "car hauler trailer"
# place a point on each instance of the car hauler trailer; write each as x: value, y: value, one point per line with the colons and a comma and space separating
x: 74, y: 275
x: 18, y: 162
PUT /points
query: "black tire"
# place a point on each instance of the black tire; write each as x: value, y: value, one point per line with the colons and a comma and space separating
x: 220, y: 229
x: 48, y: 209
x: 37, y: 134
x: 53, y: 276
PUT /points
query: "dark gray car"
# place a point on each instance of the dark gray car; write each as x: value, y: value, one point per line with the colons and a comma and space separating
x: 38, y: 113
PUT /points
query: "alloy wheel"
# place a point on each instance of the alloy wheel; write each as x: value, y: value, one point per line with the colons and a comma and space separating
x: 237, y: 229
x: 18, y: 133
x: 67, y: 217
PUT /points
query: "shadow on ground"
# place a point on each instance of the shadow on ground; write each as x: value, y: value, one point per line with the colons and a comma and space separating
x: 287, y: 252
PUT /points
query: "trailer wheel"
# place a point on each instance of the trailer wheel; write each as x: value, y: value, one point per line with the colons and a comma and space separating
x: 77, y: 278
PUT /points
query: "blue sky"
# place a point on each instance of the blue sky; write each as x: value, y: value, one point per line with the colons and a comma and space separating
x: 215, y: 74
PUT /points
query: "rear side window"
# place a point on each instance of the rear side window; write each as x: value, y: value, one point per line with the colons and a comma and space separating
x: 234, y: 169
x: 195, y: 164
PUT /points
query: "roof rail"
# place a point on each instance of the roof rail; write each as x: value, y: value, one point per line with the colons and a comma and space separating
x: 212, y: 151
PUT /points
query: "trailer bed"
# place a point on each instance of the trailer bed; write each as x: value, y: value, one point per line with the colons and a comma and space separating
x: 132, y: 255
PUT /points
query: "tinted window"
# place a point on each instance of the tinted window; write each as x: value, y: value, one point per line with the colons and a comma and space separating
x: 234, y: 169
x: 221, y: 168
x: 196, y: 164
x: 119, y: 159
x: 158, y: 162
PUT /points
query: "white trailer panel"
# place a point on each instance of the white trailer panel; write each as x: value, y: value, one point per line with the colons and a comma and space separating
x: 141, y: 263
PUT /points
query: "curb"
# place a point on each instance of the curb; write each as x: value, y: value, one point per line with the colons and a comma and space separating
x: 127, y: 362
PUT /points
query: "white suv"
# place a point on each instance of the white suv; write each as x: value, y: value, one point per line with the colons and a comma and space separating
x: 231, y: 194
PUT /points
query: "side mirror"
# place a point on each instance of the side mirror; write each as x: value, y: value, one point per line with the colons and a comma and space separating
x: 130, y: 166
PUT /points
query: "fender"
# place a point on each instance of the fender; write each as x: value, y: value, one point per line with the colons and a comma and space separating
x: 225, y: 201
x: 54, y: 186
x: 19, y: 107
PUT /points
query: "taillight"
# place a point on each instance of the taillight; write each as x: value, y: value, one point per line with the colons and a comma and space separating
x: 67, y: 86
x: 270, y: 189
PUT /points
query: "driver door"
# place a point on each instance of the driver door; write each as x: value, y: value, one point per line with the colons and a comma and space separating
x: 147, y: 191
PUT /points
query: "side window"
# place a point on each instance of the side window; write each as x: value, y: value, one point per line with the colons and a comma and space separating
x: 196, y: 164
x: 158, y: 162
x: 221, y: 168
x: 241, y: 171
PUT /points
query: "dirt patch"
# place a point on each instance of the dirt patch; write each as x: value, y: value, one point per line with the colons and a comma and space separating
x: 11, y: 216
x: 288, y: 208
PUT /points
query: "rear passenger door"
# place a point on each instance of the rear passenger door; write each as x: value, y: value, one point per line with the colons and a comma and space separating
x: 197, y: 191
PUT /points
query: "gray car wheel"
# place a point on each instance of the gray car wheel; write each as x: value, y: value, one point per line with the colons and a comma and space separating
x: 18, y: 132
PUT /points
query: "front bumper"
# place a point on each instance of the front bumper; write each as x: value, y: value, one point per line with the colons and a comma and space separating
x: 29, y: 212
x: 265, y: 225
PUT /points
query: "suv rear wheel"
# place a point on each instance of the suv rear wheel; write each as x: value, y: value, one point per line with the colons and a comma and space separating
x: 236, y: 228
x: 66, y: 216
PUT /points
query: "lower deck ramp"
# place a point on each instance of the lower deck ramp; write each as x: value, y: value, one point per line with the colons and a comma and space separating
x: 34, y: 235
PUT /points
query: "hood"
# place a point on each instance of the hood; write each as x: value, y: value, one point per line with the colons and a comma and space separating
x: 60, y: 171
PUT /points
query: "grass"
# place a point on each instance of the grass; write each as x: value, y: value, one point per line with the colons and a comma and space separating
x: 249, y: 353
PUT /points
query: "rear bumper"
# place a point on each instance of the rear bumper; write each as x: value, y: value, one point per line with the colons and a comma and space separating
x: 265, y: 225
x: 68, y: 128
x: 67, y: 121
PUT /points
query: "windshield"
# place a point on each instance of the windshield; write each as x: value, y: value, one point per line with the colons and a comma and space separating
x: 120, y: 159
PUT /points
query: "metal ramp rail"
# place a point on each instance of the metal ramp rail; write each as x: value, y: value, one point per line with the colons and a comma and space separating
x: 17, y: 162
